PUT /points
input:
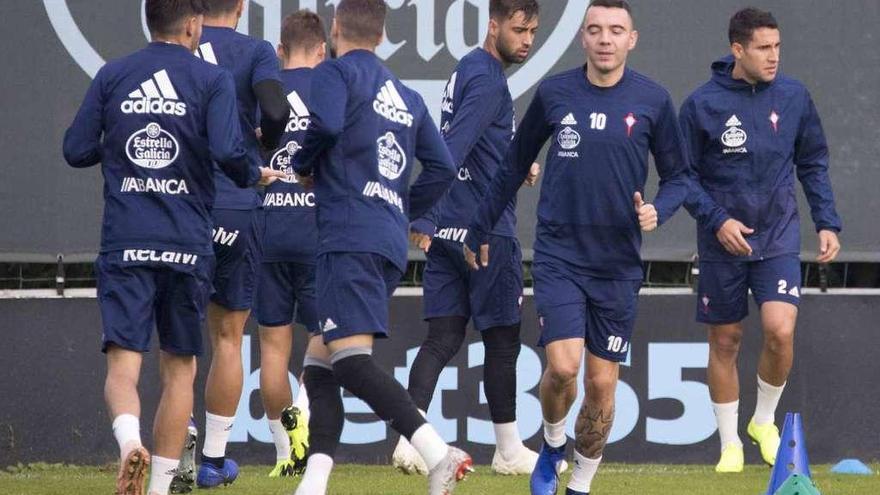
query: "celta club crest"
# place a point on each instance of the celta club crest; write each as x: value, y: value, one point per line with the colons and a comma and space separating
x: 423, y: 38
x: 774, y: 120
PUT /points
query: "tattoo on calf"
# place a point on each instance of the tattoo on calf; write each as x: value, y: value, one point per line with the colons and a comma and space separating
x: 592, y: 429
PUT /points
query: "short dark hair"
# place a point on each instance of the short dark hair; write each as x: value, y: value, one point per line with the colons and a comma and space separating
x: 613, y: 4
x: 744, y: 23
x: 362, y: 20
x: 164, y: 16
x: 218, y: 7
x: 506, y: 9
x: 302, y: 30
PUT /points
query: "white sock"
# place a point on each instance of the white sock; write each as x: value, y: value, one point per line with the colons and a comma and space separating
x: 282, y: 441
x: 430, y: 446
x: 161, y: 473
x: 217, y: 430
x: 314, y: 481
x: 727, y: 417
x: 127, y: 431
x: 507, y: 439
x: 302, y: 400
x: 554, y: 433
x: 583, y: 472
x: 768, y: 399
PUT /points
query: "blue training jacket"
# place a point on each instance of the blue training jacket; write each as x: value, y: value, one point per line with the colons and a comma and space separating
x: 290, y: 233
x: 365, y: 133
x: 598, y: 158
x: 250, y: 61
x: 746, y: 144
x: 156, y: 120
x: 477, y: 123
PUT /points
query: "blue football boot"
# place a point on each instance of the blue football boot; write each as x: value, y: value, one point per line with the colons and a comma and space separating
x: 210, y: 476
x: 545, y: 477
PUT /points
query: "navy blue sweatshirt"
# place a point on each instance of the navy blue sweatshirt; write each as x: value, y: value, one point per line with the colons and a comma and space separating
x: 477, y: 123
x: 250, y: 61
x: 597, y: 160
x: 155, y: 120
x: 747, y: 143
x: 366, y: 129
x: 291, y: 233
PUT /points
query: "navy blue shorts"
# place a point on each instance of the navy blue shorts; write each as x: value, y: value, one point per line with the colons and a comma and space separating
x: 492, y: 296
x: 723, y: 292
x: 237, y: 249
x: 574, y: 305
x: 354, y: 290
x: 285, y: 290
x: 143, y: 289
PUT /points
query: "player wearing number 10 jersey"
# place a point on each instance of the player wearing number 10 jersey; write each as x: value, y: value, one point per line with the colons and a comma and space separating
x: 603, y: 119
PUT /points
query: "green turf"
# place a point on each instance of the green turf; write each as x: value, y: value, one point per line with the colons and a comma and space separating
x: 613, y: 479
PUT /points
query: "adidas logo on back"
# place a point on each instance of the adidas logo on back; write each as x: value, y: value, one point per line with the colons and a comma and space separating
x: 569, y: 120
x: 299, y: 113
x: 390, y: 105
x: 733, y: 122
x: 156, y: 95
x: 206, y: 52
x: 449, y: 94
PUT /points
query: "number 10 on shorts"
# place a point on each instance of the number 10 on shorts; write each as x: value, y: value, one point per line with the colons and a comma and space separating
x: 617, y: 344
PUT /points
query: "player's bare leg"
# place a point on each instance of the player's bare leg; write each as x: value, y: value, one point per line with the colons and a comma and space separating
x: 723, y: 378
x: 594, y: 421
x: 558, y: 390
x: 123, y: 403
x: 224, y: 383
x: 177, y: 374
x: 276, y: 345
x: 222, y: 392
x: 778, y: 320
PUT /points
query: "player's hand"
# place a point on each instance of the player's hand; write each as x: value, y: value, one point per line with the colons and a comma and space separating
x: 420, y: 240
x: 534, y: 172
x: 732, y: 234
x: 829, y: 246
x: 648, y: 219
x: 268, y: 176
x: 307, y: 182
x: 471, y: 258
x: 259, y: 132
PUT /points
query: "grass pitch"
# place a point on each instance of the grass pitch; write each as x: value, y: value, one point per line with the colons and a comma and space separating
x: 613, y: 479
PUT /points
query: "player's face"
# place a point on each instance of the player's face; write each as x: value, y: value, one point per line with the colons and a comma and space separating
x: 759, y: 59
x: 515, y: 37
x: 607, y: 37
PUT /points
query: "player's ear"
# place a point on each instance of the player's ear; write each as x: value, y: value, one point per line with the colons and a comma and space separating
x: 494, y: 27
x: 239, y: 11
x: 633, y: 39
x: 322, y: 51
x: 280, y: 51
x: 737, y: 50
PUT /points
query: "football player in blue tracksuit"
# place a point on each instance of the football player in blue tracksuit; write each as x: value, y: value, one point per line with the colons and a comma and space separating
x: 750, y: 131
x: 604, y: 120
x: 155, y: 120
x: 366, y: 131
x: 286, y: 287
x: 477, y: 122
x: 254, y: 68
